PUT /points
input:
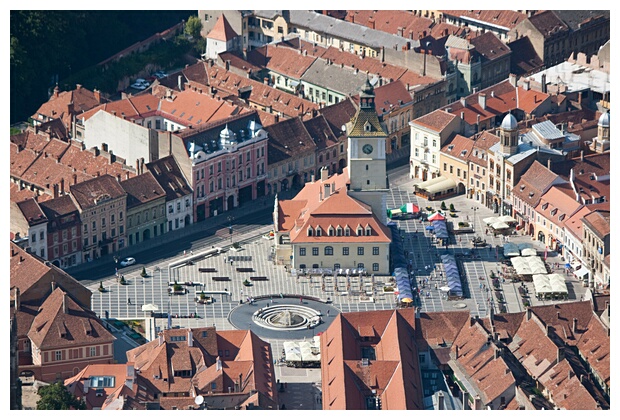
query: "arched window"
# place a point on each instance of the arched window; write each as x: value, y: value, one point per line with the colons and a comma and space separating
x: 329, y: 250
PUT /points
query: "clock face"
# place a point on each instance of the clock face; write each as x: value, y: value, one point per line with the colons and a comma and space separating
x: 367, y: 149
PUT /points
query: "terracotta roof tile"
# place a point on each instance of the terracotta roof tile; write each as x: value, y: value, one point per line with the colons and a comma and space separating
x: 506, y: 18
x: 88, y: 192
x: 557, y: 206
x: 283, y: 60
x: 548, y: 23
x: 595, y: 347
x: 222, y: 31
x: 339, y: 115
x: 142, y: 189
x: 489, y: 46
x: 560, y: 317
x: 459, y: 147
x: 168, y: 174
x: 58, y: 106
x: 62, y: 322
x: 437, y: 328
x: 599, y: 222
x: 32, y: 212
x: 566, y: 389
x: 436, y: 120
x: 288, y: 138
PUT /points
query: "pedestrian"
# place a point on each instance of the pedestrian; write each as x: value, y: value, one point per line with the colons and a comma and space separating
x: 184, y: 252
x: 128, y: 301
x: 231, y: 262
x: 328, y: 312
x: 271, y: 300
x: 301, y: 300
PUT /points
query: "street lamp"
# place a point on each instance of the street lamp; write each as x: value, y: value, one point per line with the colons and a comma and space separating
x: 472, y: 223
x: 230, y: 228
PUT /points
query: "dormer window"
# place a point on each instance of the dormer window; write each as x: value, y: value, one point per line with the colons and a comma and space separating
x: 310, y: 231
x: 338, y: 231
x: 347, y: 231
x: 367, y: 127
x: 318, y: 231
x: 330, y: 231
x: 544, y: 206
x: 554, y: 211
x: 360, y: 231
x: 368, y: 230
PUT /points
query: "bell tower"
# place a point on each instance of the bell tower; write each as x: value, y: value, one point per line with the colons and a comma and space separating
x: 366, y: 155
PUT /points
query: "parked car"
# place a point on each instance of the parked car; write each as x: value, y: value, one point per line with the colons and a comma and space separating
x: 126, y: 262
x: 140, y: 84
x: 160, y: 74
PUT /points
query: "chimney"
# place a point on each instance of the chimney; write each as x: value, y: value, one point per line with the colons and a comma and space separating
x: 227, y: 65
x: 462, y: 116
x: 131, y: 375
x: 456, y: 352
x: 160, y: 339
x: 190, y: 338
x: 55, y: 190
x: 579, y: 97
x: 324, y: 173
x: 574, y: 325
x: 463, y: 103
x: 56, y: 91
x: 440, y: 402
x: 180, y: 83
x: 97, y: 94
x: 17, y: 303
x: 118, y: 177
x: 548, y: 330
x: 312, y: 177
x: 141, y: 166
x: 383, y: 56
x: 549, y: 164
x: 74, y: 179
x: 399, y: 31
x: 266, y: 81
x: 526, y: 84
x: 477, y: 403
x: 560, y: 354
x: 581, y: 156
x: 558, y: 314
x: 543, y: 83
x: 53, y: 285
x: 513, y: 79
x: 137, y: 166
x: 218, y: 363
x: 64, y: 302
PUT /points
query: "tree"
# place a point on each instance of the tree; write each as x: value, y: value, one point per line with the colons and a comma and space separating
x: 443, y: 205
x: 451, y: 207
x: 193, y: 27
x: 143, y: 273
x: 57, y: 397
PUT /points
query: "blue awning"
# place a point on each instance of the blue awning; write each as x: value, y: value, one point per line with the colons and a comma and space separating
x: 452, y: 274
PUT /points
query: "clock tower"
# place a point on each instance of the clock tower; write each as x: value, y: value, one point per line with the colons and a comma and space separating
x: 366, y: 155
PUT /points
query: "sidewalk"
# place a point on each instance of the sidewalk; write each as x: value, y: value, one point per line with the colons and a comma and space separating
x: 204, y: 229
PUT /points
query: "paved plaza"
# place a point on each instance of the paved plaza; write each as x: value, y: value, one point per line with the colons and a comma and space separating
x: 221, y: 276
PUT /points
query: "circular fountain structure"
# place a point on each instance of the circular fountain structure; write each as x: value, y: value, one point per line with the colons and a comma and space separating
x: 286, y: 317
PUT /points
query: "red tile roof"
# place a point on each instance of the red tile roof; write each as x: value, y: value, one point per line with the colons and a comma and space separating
x: 61, y: 322
x: 560, y: 317
x: 87, y: 193
x: 280, y: 59
x: 595, y: 348
x: 599, y: 222
x: 459, y: 147
x: 489, y: 46
x: 142, y: 189
x: 506, y: 18
x: 566, y: 390
x: 556, y: 205
x: 64, y: 105
x: 222, y: 31
x: 436, y: 120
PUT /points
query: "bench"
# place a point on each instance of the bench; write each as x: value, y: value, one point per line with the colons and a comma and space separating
x: 207, y: 270
x: 221, y: 278
x: 261, y: 278
x: 245, y: 269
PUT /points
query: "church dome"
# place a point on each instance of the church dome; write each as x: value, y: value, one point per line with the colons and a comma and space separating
x: 604, y: 120
x: 509, y: 122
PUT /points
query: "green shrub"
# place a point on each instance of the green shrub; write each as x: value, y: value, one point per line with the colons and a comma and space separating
x: 443, y: 205
x: 143, y: 274
x: 451, y: 207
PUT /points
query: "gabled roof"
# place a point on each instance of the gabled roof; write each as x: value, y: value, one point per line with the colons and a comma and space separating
x: 506, y: 19
x: 321, y: 132
x: 459, y: 147
x: 222, y: 31
x: 63, y: 105
x: 489, y: 46
x: 282, y: 60
x: 142, y: 189
x: 62, y: 322
x: 595, y: 347
x: 556, y: 206
x: 436, y: 120
x: 339, y: 115
x: 32, y: 212
x: 548, y: 23
x: 288, y: 138
x: 88, y: 193
x: 389, y: 96
x: 168, y: 174
x: 599, y: 222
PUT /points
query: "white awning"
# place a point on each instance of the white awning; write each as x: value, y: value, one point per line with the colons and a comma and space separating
x: 433, y: 186
x: 582, y: 272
